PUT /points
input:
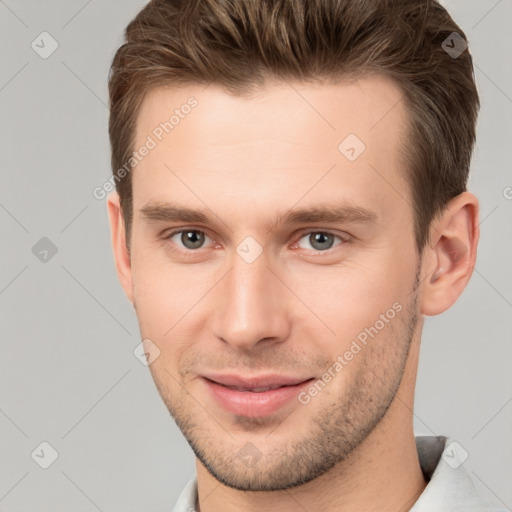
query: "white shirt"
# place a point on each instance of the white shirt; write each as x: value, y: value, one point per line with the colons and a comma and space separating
x: 449, y: 487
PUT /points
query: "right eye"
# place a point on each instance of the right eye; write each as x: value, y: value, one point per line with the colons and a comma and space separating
x: 189, y: 239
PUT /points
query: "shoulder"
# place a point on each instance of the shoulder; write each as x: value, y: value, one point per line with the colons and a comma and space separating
x: 449, y: 487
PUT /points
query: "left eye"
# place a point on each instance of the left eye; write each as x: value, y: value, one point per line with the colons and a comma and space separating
x: 319, y: 240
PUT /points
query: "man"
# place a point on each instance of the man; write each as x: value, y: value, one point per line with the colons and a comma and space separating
x: 291, y: 203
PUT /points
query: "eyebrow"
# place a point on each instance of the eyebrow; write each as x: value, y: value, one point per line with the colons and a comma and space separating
x: 172, y: 213
x: 169, y: 212
x: 327, y: 213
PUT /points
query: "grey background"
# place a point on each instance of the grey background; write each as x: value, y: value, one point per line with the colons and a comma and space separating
x: 68, y: 373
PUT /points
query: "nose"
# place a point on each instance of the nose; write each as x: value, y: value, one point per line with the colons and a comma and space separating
x: 251, y: 306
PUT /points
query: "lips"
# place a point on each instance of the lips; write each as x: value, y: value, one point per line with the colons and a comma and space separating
x: 254, y: 389
x: 263, y: 382
x: 254, y: 396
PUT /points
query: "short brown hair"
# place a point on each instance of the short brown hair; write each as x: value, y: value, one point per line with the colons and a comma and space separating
x: 241, y: 44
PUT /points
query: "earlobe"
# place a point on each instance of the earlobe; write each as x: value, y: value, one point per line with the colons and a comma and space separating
x: 450, y: 255
x: 119, y: 247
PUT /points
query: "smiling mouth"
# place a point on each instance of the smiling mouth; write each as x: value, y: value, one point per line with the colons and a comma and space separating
x: 260, y: 389
x: 254, y: 397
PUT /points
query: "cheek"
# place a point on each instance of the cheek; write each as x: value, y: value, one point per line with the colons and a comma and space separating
x: 170, y: 307
x: 163, y: 292
x: 351, y: 298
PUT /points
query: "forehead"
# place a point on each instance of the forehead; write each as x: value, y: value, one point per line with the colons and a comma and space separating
x: 357, y: 105
x: 283, y: 138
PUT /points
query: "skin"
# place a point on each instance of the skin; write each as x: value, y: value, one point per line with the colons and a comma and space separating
x: 296, y: 307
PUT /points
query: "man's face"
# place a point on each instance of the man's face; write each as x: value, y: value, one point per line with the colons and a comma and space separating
x: 265, y: 290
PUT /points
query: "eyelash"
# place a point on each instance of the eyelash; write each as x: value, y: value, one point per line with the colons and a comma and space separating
x: 302, y: 234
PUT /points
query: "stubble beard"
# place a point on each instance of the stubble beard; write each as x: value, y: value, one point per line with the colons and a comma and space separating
x: 339, y: 428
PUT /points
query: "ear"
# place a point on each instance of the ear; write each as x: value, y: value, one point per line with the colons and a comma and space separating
x: 119, y: 247
x: 450, y: 254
